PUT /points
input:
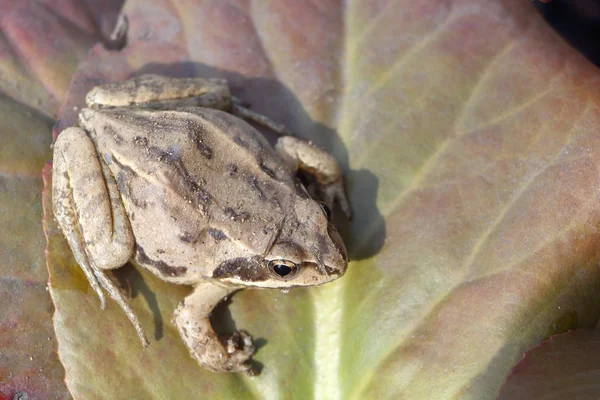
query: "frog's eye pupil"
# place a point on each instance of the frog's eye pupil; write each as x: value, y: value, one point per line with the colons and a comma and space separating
x: 326, y: 210
x: 282, y: 269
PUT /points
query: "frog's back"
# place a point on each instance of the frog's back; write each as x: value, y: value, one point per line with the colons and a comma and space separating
x: 195, y: 183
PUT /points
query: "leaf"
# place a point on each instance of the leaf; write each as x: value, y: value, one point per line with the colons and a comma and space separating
x: 564, y: 367
x: 42, y: 42
x: 25, y: 328
x: 468, y: 131
x: 40, y: 45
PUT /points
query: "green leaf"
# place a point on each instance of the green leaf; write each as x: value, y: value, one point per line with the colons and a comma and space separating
x: 468, y: 131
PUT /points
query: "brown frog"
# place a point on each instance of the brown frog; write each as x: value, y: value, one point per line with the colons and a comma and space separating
x: 165, y: 171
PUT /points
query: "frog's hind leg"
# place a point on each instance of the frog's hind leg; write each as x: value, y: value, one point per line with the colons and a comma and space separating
x: 89, y: 210
x: 158, y: 92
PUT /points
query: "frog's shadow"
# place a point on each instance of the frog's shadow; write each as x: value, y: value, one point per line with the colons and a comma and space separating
x: 365, y: 234
x: 224, y: 324
x: 133, y: 283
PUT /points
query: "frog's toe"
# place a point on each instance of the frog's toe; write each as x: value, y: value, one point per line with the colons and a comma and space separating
x: 240, y: 348
x: 335, y: 192
x: 240, y: 344
x: 96, y: 286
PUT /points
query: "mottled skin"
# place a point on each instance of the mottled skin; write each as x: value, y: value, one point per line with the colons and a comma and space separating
x: 161, y: 170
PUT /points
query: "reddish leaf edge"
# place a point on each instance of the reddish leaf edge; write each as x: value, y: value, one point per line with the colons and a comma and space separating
x: 521, y: 363
x: 46, y: 215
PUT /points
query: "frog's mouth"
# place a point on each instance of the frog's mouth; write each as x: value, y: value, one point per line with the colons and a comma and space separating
x: 320, y: 265
x: 309, y: 274
x: 253, y: 271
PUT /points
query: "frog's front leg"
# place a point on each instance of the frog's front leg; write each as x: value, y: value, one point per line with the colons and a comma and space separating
x: 88, y: 208
x: 304, y: 156
x: 192, y: 319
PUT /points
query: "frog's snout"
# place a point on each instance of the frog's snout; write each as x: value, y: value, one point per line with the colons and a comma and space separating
x: 335, y: 257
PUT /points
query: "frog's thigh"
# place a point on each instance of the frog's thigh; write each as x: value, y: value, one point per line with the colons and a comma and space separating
x: 192, y: 320
x: 94, y: 208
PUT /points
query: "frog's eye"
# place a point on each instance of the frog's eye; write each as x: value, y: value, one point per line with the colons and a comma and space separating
x: 325, y: 209
x: 283, y: 268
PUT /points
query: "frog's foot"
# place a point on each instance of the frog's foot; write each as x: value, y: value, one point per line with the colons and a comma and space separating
x: 330, y: 193
x: 240, y: 348
x: 304, y: 156
x: 87, y: 206
x: 226, y: 354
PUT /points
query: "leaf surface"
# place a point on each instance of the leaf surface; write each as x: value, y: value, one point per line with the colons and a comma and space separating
x: 40, y: 45
x: 468, y: 131
x: 564, y: 367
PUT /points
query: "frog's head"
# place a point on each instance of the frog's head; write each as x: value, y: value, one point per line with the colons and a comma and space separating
x: 305, y: 250
x: 308, y: 249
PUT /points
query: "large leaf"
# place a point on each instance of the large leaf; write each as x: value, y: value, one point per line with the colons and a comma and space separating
x: 40, y: 45
x: 468, y: 132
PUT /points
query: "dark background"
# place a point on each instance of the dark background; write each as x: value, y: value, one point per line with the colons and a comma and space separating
x: 578, y: 21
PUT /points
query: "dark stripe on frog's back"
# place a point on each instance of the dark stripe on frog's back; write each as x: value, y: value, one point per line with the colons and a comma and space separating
x: 133, y: 163
x: 266, y: 189
x: 250, y: 144
x: 231, y: 142
x: 219, y: 141
x: 252, y: 150
x: 162, y: 268
x: 237, y: 146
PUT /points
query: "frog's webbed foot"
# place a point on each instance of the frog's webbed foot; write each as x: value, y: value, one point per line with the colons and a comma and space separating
x: 88, y: 208
x: 325, y: 170
x: 227, y: 353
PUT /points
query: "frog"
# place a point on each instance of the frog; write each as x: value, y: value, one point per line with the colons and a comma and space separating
x: 171, y: 174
